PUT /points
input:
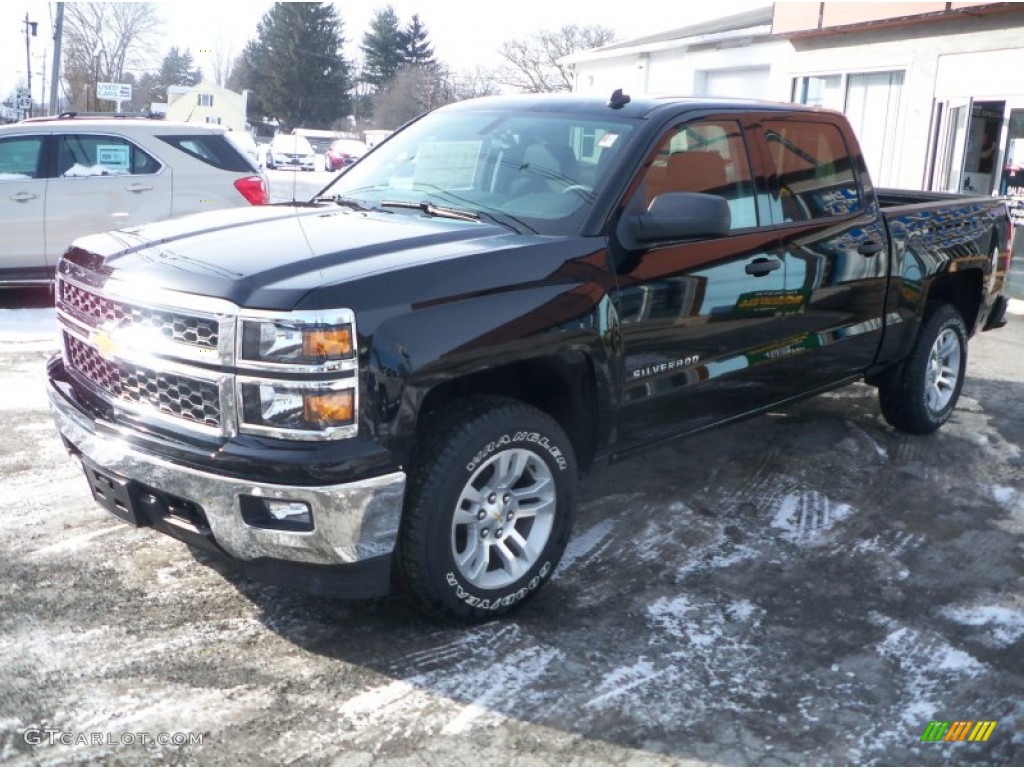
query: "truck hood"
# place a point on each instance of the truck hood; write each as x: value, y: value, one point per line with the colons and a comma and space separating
x: 270, y: 257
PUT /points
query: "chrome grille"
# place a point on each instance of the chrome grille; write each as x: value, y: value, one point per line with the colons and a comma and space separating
x: 181, y: 396
x: 185, y: 329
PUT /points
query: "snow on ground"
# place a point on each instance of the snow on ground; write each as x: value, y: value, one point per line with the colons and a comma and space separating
x: 27, y: 330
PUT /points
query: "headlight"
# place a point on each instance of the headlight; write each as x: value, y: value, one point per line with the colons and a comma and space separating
x: 298, y: 376
x: 299, y: 410
x: 294, y: 342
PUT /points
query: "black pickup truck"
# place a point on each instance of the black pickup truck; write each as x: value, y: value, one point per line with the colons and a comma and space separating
x: 400, y: 381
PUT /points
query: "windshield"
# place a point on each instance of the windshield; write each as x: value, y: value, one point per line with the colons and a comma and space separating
x: 535, y: 171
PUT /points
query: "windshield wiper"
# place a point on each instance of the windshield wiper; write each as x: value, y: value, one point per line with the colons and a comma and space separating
x: 346, y: 202
x: 432, y: 210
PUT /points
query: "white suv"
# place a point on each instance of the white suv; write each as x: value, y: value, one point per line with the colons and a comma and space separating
x: 61, y: 178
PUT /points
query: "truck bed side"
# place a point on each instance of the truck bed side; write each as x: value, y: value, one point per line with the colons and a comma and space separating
x: 944, y: 248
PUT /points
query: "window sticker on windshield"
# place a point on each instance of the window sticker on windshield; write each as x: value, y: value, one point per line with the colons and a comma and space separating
x: 113, y: 156
x: 447, y: 164
x: 606, y: 141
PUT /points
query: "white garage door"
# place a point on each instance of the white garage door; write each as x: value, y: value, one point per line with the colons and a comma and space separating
x: 746, y: 83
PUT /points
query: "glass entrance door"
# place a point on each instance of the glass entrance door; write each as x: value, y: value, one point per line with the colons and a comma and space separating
x: 981, y: 150
x: 951, y: 122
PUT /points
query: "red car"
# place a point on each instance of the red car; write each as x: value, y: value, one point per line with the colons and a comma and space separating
x: 343, y: 152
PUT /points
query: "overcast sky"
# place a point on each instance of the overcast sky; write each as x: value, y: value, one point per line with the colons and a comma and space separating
x: 465, y: 33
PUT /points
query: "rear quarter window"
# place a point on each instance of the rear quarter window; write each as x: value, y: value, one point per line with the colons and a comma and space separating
x: 211, y: 149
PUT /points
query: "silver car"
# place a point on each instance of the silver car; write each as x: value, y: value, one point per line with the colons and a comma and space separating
x: 287, y: 151
x: 61, y: 178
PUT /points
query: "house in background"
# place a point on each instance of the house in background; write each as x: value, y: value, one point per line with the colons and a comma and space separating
x: 733, y: 56
x: 934, y: 91
x: 204, y: 103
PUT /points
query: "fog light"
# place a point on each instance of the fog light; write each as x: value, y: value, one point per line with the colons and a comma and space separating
x: 276, y: 514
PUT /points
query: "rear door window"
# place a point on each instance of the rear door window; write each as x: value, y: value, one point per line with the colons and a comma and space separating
x: 812, y: 171
x: 99, y: 155
x: 212, y: 149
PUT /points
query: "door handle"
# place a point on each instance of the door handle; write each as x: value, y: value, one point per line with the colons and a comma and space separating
x: 870, y: 248
x: 23, y: 197
x: 139, y: 187
x: 761, y: 266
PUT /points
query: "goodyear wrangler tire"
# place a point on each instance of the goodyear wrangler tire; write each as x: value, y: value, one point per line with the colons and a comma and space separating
x: 922, y: 396
x: 488, y: 511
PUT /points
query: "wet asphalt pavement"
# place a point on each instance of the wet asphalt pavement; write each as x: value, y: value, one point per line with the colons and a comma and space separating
x: 808, y: 587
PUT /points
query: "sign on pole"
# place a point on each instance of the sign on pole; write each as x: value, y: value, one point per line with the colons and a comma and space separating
x: 114, y: 91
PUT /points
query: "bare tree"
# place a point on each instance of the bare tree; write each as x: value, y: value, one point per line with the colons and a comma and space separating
x: 412, y: 91
x: 474, y: 84
x: 222, y: 60
x: 102, y: 41
x: 532, y: 64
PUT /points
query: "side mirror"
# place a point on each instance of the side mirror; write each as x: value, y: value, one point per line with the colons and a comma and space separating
x: 677, y: 216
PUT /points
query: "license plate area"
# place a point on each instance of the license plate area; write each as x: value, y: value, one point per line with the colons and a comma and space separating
x: 112, y: 493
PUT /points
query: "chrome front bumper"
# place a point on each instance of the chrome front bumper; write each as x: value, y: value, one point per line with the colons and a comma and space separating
x: 353, y: 522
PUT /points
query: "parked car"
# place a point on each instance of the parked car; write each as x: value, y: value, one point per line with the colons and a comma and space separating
x: 61, y: 178
x: 343, y: 152
x: 406, y: 377
x: 287, y: 151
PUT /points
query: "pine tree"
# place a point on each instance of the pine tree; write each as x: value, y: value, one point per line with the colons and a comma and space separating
x: 383, y: 48
x: 418, y: 49
x: 175, y: 69
x: 295, y: 68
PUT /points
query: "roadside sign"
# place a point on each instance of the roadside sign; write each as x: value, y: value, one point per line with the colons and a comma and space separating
x: 24, y: 102
x: 114, y: 91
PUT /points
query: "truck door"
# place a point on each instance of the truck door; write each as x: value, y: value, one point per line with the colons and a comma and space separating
x: 835, y: 247
x: 698, y: 317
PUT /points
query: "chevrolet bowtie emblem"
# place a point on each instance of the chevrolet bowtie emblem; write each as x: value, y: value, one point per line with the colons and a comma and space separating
x: 103, y: 342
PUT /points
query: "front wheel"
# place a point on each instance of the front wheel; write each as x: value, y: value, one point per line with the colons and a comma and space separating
x: 489, y: 509
x: 920, y: 398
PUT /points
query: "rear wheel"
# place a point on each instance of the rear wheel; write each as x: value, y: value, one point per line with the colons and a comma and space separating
x: 920, y: 397
x: 488, y: 511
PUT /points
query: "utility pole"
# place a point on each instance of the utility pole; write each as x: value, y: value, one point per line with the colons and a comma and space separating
x: 29, y: 25
x: 42, y: 73
x: 58, y: 32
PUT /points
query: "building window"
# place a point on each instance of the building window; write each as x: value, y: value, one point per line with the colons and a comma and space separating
x: 871, y: 102
x: 213, y: 119
x: 204, y: 99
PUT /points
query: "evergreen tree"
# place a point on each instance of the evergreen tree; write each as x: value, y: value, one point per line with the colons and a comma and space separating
x: 383, y: 48
x: 295, y: 67
x: 418, y: 51
x: 175, y: 69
